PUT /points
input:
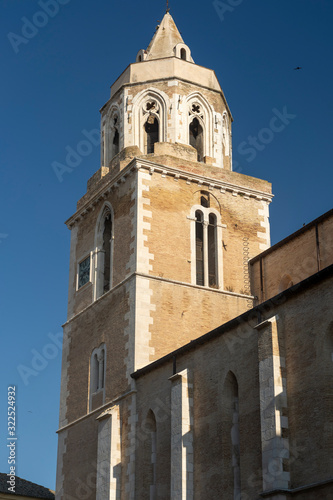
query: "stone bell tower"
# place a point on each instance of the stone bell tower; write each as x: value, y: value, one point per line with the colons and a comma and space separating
x: 159, y: 254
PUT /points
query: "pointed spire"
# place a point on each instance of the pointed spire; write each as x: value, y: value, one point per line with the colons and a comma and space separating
x: 165, y: 39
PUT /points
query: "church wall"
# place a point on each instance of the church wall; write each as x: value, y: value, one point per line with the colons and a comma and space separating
x: 208, y: 365
x: 293, y: 259
x: 304, y: 345
x: 155, y: 397
x: 307, y: 324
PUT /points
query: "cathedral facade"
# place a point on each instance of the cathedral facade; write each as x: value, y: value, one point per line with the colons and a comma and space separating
x: 197, y: 359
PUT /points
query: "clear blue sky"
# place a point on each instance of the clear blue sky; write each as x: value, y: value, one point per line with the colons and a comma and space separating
x: 52, y: 88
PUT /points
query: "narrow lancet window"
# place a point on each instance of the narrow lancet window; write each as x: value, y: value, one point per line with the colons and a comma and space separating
x: 101, y: 361
x: 97, y: 369
x: 115, y: 143
x: 94, y: 374
x: 150, y: 457
x: 212, y: 274
x: 196, y: 137
x: 114, y: 137
x: 183, y: 54
x: 199, y: 244
x: 107, y: 235
x: 231, y: 438
x: 152, y: 133
x: 97, y: 377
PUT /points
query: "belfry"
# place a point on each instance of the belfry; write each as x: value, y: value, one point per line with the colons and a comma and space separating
x: 156, y: 395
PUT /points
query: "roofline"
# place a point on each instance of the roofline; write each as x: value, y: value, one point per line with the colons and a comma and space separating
x: 292, y: 236
x: 256, y: 312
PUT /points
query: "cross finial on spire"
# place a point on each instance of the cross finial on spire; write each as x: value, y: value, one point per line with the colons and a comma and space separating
x: 167, y: 7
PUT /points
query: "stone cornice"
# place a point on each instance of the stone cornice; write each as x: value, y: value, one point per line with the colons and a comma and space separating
x: 177, y: 173
x: 104, y: 409
x: 160, y: 279
x: 101, y: 194
x: 203, y: 180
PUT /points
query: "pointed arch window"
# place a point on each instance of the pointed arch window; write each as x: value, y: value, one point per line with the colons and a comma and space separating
x: 150, y: 456
x: 151, y: 133
x: 107, y: 235
x: 196, y: 137
x: 97, y: 376
x: 207, y: 269
x: 104, y: 253
x: 231, y: 438
x: 150, y: 117
x: 200, y: 125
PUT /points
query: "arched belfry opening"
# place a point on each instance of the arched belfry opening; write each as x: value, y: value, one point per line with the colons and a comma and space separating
x: 151, y: 133
x: 115, y: 142
x: 183, y: 54
x: 115, y: 138
x: 196, y: 137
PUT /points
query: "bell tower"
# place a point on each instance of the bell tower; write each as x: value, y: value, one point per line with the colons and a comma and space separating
x: 166, y: 98
x: 159, y: 254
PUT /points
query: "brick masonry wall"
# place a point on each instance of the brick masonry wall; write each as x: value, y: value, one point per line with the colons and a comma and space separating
x: 104, y: 323
x: 170, y: 202
x: 305, y: 327
x: 294, y: 260
x: 184, y: 313
x: 80, y: 468
x: 121, y: 202
x: 210, y: 365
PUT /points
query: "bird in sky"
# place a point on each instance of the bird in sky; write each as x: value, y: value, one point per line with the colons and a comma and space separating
x: 298, y: 67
